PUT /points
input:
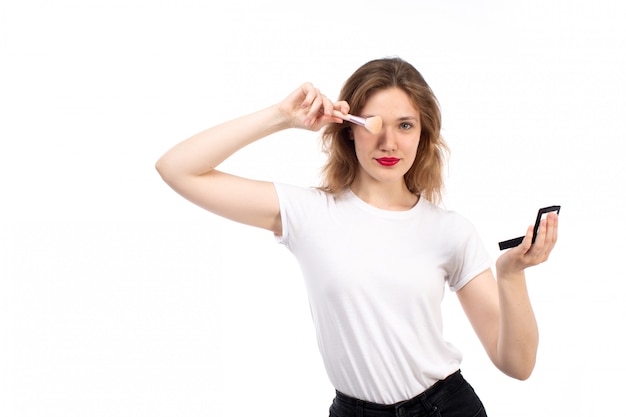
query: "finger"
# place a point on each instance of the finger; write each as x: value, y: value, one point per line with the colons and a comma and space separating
x: 310, y: 105
x: 541, y: 234
x: 544, y: 242
x: 315, y: 109
x: 555, y: 227
x: 342, y: 106
x: 551, y: 230
x: 528, y: 240
x: 310, y: 93
x: 328, y: 107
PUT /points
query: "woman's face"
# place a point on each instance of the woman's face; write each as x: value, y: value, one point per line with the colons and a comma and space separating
x: 386, y: 156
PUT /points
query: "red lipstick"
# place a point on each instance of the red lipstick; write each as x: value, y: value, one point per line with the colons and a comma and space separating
x: 387, y: 162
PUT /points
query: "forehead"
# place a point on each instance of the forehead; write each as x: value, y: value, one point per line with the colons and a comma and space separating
x: 392, y: 100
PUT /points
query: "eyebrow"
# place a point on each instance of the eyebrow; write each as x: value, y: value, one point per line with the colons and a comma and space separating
x: 399, y: 119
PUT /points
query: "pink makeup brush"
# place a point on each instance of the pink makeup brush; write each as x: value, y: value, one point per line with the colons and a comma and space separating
x: 373, y: 124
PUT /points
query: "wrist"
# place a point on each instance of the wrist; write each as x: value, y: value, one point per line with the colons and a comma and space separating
x: 505, y: 272
x: 278, y: 119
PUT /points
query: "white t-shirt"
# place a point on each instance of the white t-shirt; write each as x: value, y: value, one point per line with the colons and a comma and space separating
x: 375, y: 281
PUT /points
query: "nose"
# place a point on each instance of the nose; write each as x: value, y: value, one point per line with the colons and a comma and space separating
x: 387, y: 140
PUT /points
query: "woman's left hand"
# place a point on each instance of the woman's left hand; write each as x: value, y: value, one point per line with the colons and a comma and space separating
x: 527, y: 253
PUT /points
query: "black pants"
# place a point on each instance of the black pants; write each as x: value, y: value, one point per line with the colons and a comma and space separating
x: 451, y: 397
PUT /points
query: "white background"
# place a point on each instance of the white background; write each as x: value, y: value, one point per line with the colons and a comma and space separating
x: 119, y: 298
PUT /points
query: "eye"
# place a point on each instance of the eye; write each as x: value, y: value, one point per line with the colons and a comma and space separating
x: 405, y: 125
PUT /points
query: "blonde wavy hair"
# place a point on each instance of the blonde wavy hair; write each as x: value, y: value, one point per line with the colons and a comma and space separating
x: 425, y: 177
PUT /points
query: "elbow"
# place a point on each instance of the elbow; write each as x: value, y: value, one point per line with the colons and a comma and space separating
x: 517, y: 362
x: 160, y: 166
x: 521, y: 370
x: 522, y: 375
x: 164, y: 168
x: 173, y: 172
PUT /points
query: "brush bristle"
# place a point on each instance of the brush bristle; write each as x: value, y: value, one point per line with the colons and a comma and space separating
x: 374, y: 124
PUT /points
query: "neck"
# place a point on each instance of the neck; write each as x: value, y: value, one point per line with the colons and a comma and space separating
x: 385, y: 196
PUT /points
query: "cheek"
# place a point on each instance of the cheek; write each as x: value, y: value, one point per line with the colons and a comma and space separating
x: 413, y: 151
x: 359, y: 152
x: 362, y: 145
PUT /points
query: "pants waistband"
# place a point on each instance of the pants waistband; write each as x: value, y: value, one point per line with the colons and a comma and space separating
x: 423, y: 402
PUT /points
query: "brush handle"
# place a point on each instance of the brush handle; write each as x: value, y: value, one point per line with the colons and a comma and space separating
x: 350, y: 118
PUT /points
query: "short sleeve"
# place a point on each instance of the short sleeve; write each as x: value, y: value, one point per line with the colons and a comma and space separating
x: 470, y: 256
x: 283, y: 202
x: 298, y: 206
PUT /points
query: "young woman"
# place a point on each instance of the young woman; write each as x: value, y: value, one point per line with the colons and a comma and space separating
x: 375, y: 250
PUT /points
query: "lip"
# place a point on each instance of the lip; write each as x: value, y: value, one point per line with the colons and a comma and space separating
x: 387, y: 161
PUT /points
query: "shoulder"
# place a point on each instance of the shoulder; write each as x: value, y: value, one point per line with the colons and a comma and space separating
x: 451, y: 226
x: 297, y: 190
x: 303, y: 209
x: 298, y: 201
x: 448, y: 216
x: 295, y: 194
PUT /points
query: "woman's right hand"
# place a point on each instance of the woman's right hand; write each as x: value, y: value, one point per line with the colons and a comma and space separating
x: 308, y: 108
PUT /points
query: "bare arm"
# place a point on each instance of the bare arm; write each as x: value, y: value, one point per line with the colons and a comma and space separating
x: 189, y: 167
x: 500, y: 310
